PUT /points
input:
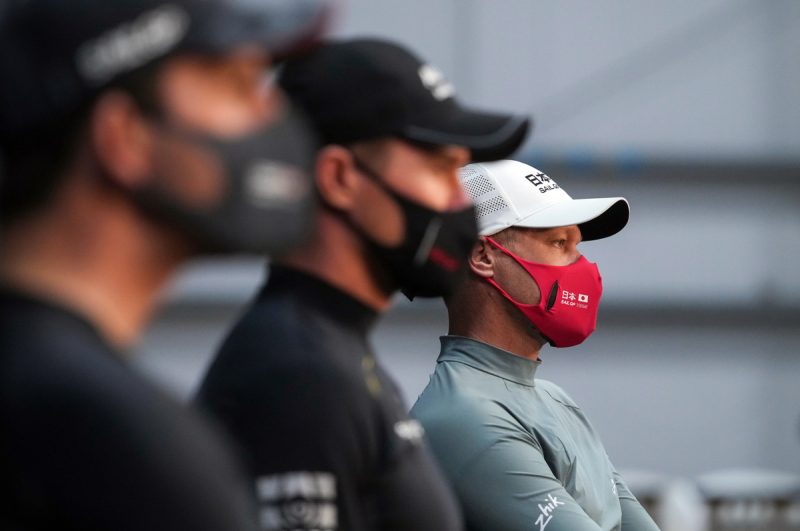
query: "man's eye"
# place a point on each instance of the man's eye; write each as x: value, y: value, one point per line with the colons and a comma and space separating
x: 560, y: 243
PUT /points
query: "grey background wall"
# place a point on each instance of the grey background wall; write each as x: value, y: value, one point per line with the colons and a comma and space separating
x: 691, y: 109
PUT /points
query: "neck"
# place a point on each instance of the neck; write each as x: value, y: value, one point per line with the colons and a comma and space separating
x: 95, y: 255
x: 479, y: 312
x: 337, y: 255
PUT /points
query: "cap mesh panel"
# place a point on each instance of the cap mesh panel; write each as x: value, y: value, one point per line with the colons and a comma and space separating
x: 475, y: 183
x: 479, y: 186
x: 492, y: 205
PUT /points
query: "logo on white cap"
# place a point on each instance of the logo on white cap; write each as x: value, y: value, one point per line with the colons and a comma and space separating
x: 542, y: 181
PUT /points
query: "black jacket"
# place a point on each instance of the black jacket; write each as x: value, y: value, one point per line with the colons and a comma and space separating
x: 326, y: 436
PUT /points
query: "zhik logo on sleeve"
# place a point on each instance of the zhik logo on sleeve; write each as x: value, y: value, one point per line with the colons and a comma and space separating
x: 547, y: 510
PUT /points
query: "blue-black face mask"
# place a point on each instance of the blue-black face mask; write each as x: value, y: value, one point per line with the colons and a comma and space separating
x: 432, y: 256
x: 266, y: 201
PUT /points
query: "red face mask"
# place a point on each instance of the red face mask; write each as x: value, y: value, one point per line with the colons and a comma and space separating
x: 570, y: 295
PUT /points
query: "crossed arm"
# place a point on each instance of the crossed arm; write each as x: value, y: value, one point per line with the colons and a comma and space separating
x: 510, y: 487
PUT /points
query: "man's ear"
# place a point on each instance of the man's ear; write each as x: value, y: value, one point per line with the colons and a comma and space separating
x: 121, y: 139
x: 481, y: 259
x: 335, y: 179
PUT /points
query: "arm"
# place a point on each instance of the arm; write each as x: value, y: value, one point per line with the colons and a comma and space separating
x: 634, y: 516
x: 310, y: 440
x: 351, y: 462
x: 510, y: 487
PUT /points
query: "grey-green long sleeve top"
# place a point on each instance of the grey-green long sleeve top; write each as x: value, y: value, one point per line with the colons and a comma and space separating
x: 519, y: 452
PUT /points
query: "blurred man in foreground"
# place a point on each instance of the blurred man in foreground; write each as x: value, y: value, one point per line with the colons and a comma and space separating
x: 325, y: 431
x: 134, y: 134
x: 519, y: 452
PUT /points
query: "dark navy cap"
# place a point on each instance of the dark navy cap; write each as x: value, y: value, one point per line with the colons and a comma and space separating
x: 56, y: 54
x: 367, y: 88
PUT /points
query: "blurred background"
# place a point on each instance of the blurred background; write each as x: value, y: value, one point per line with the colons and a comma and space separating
x: 691, y: 110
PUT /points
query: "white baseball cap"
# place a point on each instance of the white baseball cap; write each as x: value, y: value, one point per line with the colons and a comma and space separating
x: 508, y: 193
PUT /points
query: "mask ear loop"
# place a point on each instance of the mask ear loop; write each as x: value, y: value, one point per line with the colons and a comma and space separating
x: 373, y: 176
x: 433, y: 227
x: 494, y: 283
x: 497, y: 245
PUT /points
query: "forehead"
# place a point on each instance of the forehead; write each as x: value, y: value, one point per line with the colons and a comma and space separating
x: 397, y: 151
x: 205, y: 63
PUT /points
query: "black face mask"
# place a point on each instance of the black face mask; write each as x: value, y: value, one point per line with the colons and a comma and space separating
x: 431, y: 258
x: 268, y: 200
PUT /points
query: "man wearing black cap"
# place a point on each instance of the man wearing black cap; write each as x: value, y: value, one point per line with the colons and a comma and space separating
x: 134, y: 134
x: 326, y: 434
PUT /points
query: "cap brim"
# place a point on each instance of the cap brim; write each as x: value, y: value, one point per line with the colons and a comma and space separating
x: 300, y: 28
x: 283, y: 28
x: 597, y: 218
x: 488, y: 136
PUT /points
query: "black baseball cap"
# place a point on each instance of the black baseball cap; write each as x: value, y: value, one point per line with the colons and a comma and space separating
x: 362, y: 89
x: 56, y: 54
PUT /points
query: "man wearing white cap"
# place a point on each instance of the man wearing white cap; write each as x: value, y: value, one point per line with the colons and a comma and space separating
x: 519, y: 452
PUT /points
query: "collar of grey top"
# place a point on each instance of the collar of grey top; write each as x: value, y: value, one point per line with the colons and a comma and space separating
x: 488, y: 358
x: 321, y: 298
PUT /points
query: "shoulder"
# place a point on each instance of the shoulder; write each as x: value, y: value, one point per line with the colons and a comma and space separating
x: 52, y: 355
x: 285, y: 394
x: 42, y: 375
x: 75, y: 419
x: 447, y: 407
x: 280, y: 319
x: 460, y: 426
x: 274, y: 368
x: 282, y: 347
x: 556, y: 393
x: 88, y: 393
x: 466, y: 416
x: 460, y: 398
x: 74, y: 385
x: 278, y: 331
x: 80, y: 424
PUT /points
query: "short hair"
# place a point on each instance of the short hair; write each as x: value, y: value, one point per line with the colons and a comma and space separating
x: 506, y: 236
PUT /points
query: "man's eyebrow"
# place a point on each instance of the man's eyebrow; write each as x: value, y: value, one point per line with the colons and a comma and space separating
x: 542, y: 230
